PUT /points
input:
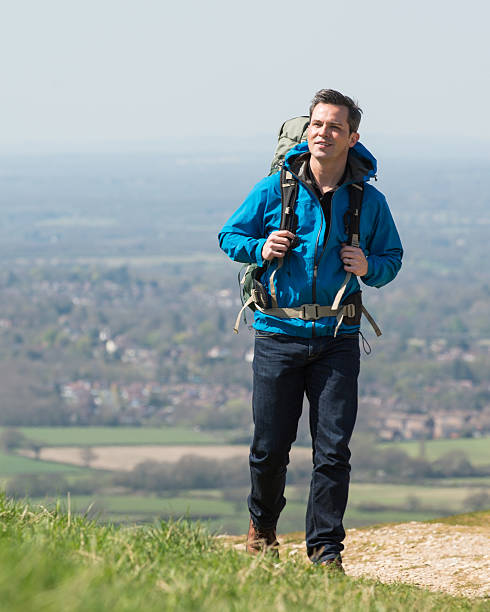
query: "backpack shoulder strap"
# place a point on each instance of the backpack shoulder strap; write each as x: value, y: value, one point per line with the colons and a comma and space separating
x: 352, y: 217
x: 289, y: 193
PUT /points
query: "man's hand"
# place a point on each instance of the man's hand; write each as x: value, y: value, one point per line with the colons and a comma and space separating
x: 276, y: 244
x: 354, y: 260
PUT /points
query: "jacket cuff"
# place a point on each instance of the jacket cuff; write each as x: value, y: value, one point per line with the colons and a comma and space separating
x: 258, y: 252
x: 369, y: 272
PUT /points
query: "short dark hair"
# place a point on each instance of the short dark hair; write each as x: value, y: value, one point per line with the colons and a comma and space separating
x: 330, y: 96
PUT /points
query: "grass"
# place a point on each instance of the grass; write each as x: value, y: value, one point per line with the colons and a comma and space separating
x: 477, y: 449
x: 55, y: 561
x: 472, y: 519
x: 106, y: 436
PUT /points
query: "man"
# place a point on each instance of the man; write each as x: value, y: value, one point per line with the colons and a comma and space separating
x: 309, y: 353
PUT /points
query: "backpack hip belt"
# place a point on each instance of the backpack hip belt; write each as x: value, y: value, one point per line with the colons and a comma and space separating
x: 352, y: 309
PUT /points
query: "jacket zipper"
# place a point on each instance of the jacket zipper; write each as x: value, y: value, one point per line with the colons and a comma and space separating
x: 330, y: 227
x: 315, y: 262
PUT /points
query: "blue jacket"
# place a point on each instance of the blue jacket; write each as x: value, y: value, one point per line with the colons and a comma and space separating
x: 245, y: 233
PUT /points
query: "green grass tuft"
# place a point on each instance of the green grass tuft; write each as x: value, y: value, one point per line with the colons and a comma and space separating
x: 470, y: 519
x: 52, y: 560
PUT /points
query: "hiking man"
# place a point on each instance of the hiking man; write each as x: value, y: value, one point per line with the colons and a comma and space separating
x: 308, y: 342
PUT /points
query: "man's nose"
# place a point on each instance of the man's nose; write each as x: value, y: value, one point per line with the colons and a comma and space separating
x: 323, y: 131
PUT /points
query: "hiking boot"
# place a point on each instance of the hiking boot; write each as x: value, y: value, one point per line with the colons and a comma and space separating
x: 333, y: 565
x: 262, y: 541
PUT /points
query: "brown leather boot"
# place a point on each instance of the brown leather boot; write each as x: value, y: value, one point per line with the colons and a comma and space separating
x: 333, y: 565
x: 262, y: 541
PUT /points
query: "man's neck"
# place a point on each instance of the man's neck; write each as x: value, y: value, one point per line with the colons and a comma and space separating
x: 327, y: 175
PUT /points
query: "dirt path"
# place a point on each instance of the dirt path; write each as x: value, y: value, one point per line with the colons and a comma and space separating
x: 437, y: 556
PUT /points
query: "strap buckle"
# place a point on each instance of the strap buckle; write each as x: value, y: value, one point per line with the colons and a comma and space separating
x: 349, y: 310
x: 309, y: 312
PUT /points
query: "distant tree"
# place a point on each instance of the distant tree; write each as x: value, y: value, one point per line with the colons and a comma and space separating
x: 118, y: 275
x: 87, y: 455
x: 453, y: 463
x: 36, y: 448
x: 11, y: 439
x: 36, y: 485
x: 413, y: 503
x: 477, y: 501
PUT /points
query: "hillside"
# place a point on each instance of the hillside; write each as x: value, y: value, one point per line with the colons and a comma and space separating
x: 52, y: 560
x: 451, y: 555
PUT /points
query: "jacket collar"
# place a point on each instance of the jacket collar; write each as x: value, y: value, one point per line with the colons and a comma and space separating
x: 361, y: 165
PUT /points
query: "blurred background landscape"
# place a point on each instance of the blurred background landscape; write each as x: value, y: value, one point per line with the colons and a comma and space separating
x: 125, y: 390
x: 130, y: 133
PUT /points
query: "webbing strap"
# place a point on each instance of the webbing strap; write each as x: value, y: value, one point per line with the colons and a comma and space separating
x: 309, y: 312
x: 272, y: 287
x: 340, y: 292
x: 340, y: 318
x: 377, y: 330
x: 237, y: 322
x: 289, y: 192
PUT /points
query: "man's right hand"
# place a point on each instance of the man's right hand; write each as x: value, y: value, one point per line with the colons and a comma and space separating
x: 276, y: 244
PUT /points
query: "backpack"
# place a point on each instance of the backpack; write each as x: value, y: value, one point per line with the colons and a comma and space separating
x: 291, y: 133
x: 253, y: 294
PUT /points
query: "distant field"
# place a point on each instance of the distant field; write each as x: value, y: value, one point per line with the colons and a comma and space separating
x: 477, y: 481
x: 134, y: 504
x: 122, y: 448
x: 231, y: 516
x: 447, y: 498
x: 13, y: 464
x: 430, y: 497
x: 477, y: 449
x: 127, y: 457
x: 222, y: 515
x: 92, y: 436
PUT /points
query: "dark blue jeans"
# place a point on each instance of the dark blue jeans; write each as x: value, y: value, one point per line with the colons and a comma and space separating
x: 285, y: 368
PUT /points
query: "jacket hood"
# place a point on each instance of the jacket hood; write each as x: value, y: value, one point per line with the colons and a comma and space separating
x: 361, y: 164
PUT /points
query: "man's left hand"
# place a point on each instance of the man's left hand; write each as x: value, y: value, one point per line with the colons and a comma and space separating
x: 354, y: 260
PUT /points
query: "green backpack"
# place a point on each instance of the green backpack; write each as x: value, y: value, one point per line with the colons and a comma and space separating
x: 252, y: 292
x: 292, y: 132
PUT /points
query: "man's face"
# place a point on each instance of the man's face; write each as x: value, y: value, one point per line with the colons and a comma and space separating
x: 329, y: 136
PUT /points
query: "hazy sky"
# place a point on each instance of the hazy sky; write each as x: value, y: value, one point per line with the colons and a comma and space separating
x: 222, y: 75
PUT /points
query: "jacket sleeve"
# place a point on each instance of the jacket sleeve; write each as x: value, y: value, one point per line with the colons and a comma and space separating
x: 385, y: 248
x: 243, y: 235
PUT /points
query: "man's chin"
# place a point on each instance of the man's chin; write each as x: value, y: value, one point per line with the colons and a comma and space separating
x: 322, y: 154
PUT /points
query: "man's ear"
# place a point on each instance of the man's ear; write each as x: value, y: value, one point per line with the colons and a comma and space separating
x: 353, y: 138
